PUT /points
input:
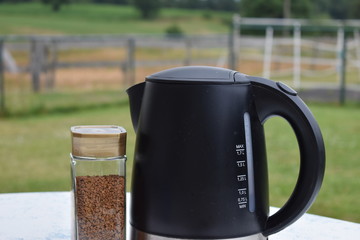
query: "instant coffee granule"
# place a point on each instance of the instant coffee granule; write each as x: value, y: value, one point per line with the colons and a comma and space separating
x: 100, y: 207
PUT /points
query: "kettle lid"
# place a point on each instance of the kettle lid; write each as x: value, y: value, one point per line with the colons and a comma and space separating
x: 198, y: 74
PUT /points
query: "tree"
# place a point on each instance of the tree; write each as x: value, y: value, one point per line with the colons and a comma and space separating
x: 222, y: 5
x: 343, y: 9
x: 261, y: 8
x: 275, y: 8
x: 339, y: 9
x: 119, y: 2
x: 302, y: 8
x: 14, y: 1
x: 355, y: 9
x: 148, y: 8
x: 55, y: 4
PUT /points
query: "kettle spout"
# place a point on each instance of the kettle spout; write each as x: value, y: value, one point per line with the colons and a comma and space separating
x: 135, y: 94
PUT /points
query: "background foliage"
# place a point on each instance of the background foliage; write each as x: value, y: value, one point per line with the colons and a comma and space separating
x: 335, y: 9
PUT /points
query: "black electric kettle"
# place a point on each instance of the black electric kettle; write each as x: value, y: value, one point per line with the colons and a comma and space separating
x: 200, y: 169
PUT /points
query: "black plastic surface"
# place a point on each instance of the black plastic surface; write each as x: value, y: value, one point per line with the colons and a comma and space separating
x: 185, y: 174
x: 240, y: 78
x: 286, y: 89
x: 135, y: 94
x: 194, y: 74
x: 272, y: 102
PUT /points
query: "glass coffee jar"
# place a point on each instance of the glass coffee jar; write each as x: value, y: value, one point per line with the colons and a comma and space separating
x: 98, y: 182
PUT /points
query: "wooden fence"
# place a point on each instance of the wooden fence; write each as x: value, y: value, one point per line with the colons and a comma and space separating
x: 43, y: 52
x: 234, y: 51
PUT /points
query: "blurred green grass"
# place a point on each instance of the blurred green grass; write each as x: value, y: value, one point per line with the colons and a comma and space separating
x: 340, y: 193
x: 34, y: 154
x: 28, y: 103
x: 34, y: 150
x: 25, y: 103
x: 84, y: 18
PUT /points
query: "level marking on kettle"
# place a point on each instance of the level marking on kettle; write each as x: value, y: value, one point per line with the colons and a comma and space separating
x: 242, y: 191
x: 240, y: 149
x: 240, y: 163
x: 242, y: 201
x: 250, y: 164
x: 241, y: 178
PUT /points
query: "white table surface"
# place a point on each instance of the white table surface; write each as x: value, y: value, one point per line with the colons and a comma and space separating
x: 46, y: 216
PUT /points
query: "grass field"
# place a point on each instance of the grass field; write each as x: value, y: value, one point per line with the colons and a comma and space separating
x: 34, y: 154
x: 35, y: 18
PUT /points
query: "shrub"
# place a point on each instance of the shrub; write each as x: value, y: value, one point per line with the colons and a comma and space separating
x: 174, y: 31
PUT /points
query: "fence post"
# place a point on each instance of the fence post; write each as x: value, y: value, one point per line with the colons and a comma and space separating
x: 2, y: 84
x: 51, y: 63
x: 268, y: 51
x: 357, y: 47
x: 314, y: 55
x: 36, y: 63
x: 234, y: 42
x: 188, y: 45
x: 342, y: 95
x: 130, y: 63
x: 339, y: 45
x: 297, y: 56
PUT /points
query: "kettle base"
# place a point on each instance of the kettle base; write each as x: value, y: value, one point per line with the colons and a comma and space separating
x: 140, y: 235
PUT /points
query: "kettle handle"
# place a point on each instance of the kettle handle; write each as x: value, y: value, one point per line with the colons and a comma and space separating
x: 277, y: 99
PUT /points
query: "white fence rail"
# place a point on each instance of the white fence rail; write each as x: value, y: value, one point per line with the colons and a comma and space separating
x: 294, y: 58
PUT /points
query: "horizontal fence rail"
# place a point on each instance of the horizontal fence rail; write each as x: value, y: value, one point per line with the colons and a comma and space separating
x: 293, y: 57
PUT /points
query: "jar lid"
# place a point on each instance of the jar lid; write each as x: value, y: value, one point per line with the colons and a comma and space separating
x: 98, y: 141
